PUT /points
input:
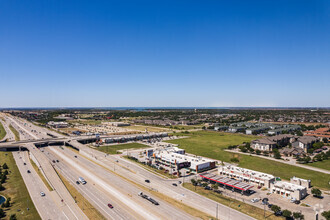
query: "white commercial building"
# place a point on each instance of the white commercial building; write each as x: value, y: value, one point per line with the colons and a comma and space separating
x: 59, y: 124
x: 176, y: 158
x: 250, y: 176
x: 288, y: 190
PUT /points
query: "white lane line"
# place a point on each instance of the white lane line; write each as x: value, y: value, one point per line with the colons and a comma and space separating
x: 136, y: 207
x: 69, y: 177
x: 32, y: 135
x: 65, y: 215
x: 65, y: 173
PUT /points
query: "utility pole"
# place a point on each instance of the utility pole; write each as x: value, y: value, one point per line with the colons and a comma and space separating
x: 217, y: 212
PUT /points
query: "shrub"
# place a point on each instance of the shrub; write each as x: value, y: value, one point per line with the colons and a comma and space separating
x: 287, y: 214
x: 316, y: 192
x: 275, y: 208
x: 326, y: 215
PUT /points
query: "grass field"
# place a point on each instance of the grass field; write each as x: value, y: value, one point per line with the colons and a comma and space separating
x: 82, y: 202
x: 2, y: 131
x: 325, y: 164
x: 17, y: 191
x: 17, y: 138
x: 245, y: 208
x: 112, y: 149
x: 211, y: 144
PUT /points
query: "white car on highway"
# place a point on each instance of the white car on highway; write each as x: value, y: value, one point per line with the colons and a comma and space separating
x: 42, y: 194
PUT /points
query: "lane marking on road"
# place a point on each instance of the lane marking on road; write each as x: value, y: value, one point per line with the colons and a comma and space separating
x: 136, y: 207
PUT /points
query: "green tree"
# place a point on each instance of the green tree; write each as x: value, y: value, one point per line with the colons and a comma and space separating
x: 2, y: 213
x: 258, y: 152
x: 277, y: 155
x: 287, y: 214
x: 326, y: 215
x: 275, y: 208
x: 193, y: 181
x: 205, y: 184
x: 316, y: 192
x: 7, y: 203
x: 5, y: 166
x: 215, y: 187
x: 1, y: 187
x: 13, y: 217
x: 298, y: 216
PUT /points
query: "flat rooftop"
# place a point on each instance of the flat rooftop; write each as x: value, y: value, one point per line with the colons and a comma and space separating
x: 253, y: 173
x: 237, y: 184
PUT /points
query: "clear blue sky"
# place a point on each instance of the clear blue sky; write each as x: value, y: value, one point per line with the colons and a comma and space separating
x: 61, y: 53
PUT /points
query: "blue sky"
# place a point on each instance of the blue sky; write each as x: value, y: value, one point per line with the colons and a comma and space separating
x: 273, y: 53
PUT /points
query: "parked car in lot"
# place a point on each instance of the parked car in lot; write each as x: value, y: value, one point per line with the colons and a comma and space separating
x: 110, y: 206
x: 75, y: 156
x: 297, y: 202
x: 147, y: 181
x: 28, y: 171
x: 77, y: 182
x: 42, y: 194
x: 255, y: 200
x: 174, y: 184
x: 57, y: 161
x: 53, y: 161
x: 24, y: 163
x: 279, y: 213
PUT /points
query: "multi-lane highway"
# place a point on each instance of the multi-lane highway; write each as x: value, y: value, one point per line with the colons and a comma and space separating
x: 46, y: 205
x: 105, y: 187
x: 121, y: 191
x: 61, y: 197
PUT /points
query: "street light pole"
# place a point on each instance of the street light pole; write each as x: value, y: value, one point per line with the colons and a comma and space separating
x: 217, y: 212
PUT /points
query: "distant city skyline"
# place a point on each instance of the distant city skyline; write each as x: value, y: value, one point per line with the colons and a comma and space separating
x: 165, y: 53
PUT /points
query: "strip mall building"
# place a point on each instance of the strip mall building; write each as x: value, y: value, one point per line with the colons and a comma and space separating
x: 296, y: 189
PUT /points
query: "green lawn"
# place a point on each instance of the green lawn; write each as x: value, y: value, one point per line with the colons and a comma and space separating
x: 112, y: 149
x: 212, y: 145
x: 17, y: 191
x: 2, y: 131
x: 325, y: 164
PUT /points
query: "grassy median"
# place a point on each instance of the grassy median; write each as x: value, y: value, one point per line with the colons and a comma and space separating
x: 81, y: 201
x: 112, y: 149
x: 17, y: 137
x: 212, y: 144
x: 2, y: 131
x: 41, y: 175
x: 245, y: 208
x: 15, y: 189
